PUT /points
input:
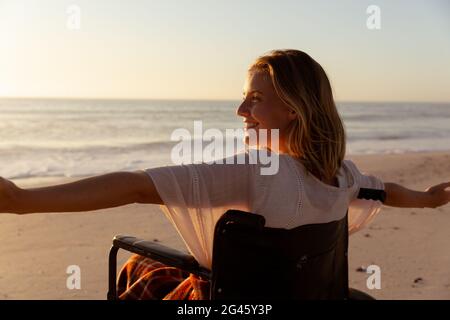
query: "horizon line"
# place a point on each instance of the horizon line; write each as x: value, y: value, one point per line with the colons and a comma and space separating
x: 196, y: 99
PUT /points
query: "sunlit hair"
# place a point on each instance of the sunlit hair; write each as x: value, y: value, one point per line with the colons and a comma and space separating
x: 317, y: 136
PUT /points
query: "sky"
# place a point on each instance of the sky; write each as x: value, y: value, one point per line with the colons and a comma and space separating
x: 201, y: 49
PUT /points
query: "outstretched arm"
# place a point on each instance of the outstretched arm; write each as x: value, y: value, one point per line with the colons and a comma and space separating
x: 104, y: 191
x: 433, y: 197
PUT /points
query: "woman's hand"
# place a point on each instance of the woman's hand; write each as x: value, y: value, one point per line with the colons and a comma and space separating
x: 8, y: 193
x: 438, y: 195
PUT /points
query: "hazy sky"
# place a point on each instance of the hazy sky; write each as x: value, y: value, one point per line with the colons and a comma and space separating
x: 201, y: 49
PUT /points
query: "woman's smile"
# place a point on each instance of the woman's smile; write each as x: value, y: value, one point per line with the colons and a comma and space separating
x: 250, y: 124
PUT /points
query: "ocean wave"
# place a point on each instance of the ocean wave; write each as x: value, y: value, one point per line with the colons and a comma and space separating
x: 83, y: 146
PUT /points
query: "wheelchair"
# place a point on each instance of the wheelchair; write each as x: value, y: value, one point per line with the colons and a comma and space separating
x: 251, y: 261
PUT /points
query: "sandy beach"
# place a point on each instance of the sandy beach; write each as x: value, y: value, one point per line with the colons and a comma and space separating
x: 411, y: 246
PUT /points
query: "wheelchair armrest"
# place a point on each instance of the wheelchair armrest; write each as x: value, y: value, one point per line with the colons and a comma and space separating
x: 159, y: 252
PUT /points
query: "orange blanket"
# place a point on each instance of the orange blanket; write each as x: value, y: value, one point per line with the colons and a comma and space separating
x: 146, y: 279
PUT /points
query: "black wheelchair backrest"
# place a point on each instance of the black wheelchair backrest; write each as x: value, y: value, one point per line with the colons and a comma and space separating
x: 251, y: 261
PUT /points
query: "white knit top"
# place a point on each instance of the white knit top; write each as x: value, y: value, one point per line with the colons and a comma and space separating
x: 195, y: 196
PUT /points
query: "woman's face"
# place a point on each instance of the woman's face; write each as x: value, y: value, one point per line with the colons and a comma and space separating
x: 263, y: 109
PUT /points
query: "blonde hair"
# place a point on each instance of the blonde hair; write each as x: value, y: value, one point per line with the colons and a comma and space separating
x: 317, y: 137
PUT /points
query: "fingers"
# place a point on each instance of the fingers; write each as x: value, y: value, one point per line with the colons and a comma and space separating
x: 443, y: 186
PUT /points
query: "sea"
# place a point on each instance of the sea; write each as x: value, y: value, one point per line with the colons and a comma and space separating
x: 75, y: 138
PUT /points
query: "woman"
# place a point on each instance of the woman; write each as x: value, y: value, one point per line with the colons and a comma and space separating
x: 285, y: 90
